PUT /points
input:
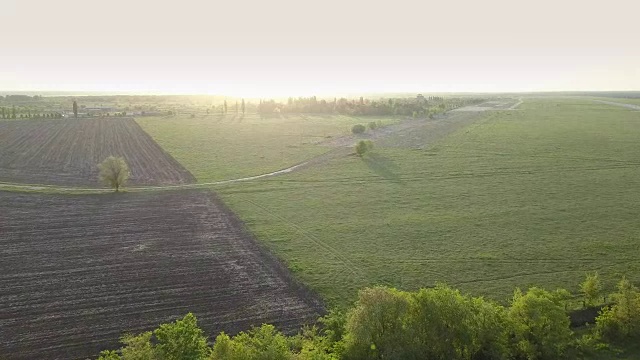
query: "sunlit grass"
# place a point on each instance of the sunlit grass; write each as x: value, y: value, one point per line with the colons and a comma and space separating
x: 219, y: 147
x: 537, y: 196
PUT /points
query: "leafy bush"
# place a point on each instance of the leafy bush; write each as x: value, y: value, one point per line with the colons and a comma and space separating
x: 182, y: 339
x: 375, y: 327
x: 264, y: 342
x: 437, y: 323
x: 385, y: 323
x: 541, y: 325
x: 358, y: 129
x: 363, y: 146
x: 373, y: 125
x: 591, y: 288
x: 622, y: 320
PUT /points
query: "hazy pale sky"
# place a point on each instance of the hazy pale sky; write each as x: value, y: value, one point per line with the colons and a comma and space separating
x: 279, y: 48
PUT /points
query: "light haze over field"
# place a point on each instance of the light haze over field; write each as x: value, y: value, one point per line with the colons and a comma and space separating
x: 279, y: 48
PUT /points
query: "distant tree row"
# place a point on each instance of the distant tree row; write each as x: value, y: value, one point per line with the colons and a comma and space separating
x: 21, y: 98
x: 224, y: 108
x: 6, y: 113
x: 436, y: 323
x: 418, y: 106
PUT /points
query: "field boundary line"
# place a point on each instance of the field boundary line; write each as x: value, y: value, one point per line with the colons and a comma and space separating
x: 8, y: 186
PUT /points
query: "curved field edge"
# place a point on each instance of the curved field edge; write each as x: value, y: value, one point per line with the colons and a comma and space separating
x: 53, y: 189
x: 537, y: 196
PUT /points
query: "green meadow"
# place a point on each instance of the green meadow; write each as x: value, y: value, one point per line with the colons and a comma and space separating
x: 223, y: 147
x: 534, y: 196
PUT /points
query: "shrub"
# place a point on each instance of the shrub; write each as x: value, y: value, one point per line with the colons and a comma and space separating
x: 373, y: 125
x: 363, y: 146
x: 109, y: 355
x: 541, y: 325
x: 621, y: 320
x: 438, y: 323
x: 174, y: 341
x: 181, y: 340
x: 264, y: 342
x: 358, y: 129
x: 375, y: 328
x: 137, y: 346
x: 591, y: 288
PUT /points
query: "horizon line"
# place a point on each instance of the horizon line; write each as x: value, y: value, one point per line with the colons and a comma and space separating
x: 324, y: 94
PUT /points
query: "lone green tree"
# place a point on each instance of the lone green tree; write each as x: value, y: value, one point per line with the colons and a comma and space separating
x: 363, y: 146
x: 114, y: 172
x: 242, y: 106
x: 236, y: 107
x: 225, y: 106
x: 75, y: 109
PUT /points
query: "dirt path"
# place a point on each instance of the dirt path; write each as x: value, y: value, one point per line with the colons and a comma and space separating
x: 515, y: 106
x: 628, y: 106
x: 410, y: 133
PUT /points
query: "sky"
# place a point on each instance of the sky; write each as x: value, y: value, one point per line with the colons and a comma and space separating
x: 299, y: 48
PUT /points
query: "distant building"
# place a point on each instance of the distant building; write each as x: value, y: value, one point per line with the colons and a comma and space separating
x: 99, y: 110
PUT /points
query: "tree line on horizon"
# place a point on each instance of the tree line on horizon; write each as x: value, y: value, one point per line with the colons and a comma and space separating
x: 11, y: 113
x: 418, y: 106
x: 435, y: 323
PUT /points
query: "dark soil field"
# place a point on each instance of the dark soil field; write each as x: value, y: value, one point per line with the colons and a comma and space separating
x: 76, y: 272
x: 67, y: 152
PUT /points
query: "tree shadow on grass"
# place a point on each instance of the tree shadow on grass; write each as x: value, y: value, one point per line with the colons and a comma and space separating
x: 382, y: 166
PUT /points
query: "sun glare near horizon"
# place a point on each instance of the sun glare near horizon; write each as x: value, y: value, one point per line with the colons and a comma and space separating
x: 287, y: 48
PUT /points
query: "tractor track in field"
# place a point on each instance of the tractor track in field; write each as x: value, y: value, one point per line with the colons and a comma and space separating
x: 613, y: 103
x: 353, y: 269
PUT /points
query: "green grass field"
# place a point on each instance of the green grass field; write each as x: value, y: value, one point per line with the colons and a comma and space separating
x: 228, y: 147
x: 537, y: 196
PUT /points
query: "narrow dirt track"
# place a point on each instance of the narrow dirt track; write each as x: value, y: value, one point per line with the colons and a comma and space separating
x: 628, y: 106
x: 79, y: 271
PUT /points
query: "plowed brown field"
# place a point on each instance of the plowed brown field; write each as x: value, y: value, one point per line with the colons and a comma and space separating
x: 67, y: 152
x: 76, y: 272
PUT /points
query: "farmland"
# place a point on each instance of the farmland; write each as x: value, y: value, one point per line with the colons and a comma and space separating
x: 67, y: 151
x: 78, y: 271
x: 534, y: 196
x: 222, y: 147
x: 536, y: 193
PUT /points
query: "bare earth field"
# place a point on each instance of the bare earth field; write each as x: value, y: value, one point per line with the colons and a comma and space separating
x: 79, y: 271
x: 67, y: 151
